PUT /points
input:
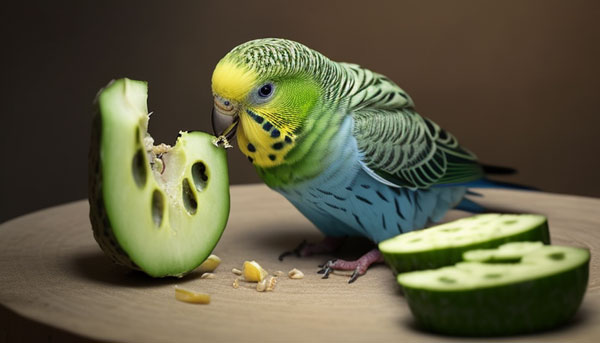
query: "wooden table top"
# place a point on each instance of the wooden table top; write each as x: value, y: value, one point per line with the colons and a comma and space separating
x: 52, y: 272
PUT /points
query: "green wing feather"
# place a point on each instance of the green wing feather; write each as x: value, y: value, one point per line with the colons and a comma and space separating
x: 399, y: 145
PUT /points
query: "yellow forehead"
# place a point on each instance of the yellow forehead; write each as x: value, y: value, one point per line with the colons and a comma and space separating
x: 233, y: 81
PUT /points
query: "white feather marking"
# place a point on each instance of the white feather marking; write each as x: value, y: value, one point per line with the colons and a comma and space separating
x: 377, y: 177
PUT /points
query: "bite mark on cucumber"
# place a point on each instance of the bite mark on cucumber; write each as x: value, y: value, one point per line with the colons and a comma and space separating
x: 156, y: 208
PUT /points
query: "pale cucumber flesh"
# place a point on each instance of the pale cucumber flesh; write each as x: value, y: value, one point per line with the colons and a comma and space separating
x: 154, y: 208
x: 444, y: 244
x: 508, y: 252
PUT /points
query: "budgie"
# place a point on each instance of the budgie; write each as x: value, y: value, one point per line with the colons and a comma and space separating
x: 342, y: 143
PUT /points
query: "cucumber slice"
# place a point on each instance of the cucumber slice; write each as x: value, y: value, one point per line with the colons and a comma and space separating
x: 543, y: 290
x: 509, y: 252
x: 158, y: 209
x: 444, y: 244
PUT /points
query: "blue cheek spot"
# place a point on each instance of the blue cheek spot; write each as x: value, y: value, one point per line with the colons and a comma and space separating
x: 267, y: 126
x: 288, y: 139
x: 275, y: 133
x: 278, y: 146
x: 251, y: 147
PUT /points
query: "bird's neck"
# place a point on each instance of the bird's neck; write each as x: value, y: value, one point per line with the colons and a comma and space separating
x: 315, y: 149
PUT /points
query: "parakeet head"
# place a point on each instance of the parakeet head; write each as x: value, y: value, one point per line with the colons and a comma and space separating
x: 265, y: 89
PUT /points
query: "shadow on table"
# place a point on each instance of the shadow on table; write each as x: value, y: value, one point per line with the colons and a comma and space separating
x: 277, y: 239
x: 95, y: 266
x: 16, y: 328
x: 570, y: 329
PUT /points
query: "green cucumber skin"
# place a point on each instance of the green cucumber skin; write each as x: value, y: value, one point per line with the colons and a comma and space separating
x: 101, y: 226
x: 523, y: 307
x: 442, y: 257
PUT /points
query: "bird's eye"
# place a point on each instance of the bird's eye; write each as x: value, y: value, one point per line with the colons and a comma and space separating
x: 265, y: 91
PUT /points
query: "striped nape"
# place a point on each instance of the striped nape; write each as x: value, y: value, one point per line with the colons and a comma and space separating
x: 272, y: 55
x: 368, y: 90
x: 280, y: 57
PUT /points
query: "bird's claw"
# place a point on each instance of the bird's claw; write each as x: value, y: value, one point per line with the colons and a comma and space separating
x: 354, y: 275
x: 329, y: 266
x: 326, y: 268
x: 296, y: 251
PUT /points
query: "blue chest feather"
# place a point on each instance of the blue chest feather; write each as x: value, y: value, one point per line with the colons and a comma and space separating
x: 345, y: 200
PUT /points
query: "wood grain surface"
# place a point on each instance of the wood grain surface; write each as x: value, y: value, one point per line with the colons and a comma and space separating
x: 54, y: 276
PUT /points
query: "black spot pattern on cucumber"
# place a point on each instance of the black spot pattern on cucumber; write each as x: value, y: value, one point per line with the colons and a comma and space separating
x: 189, y: 198
x: 158, y: 207
x: 200, y: 176
x: 138, y: 168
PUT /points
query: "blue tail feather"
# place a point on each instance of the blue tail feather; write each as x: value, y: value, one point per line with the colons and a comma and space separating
x: 470, y: 206
x: 473, y: 207
x: 487, y: 183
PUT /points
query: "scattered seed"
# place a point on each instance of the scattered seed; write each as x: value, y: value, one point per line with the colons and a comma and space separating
x: 236, y: 283
x: 210, y: 264
x: 261, y: 286
x: 236, y: 271
x: 191, y: 297
x: 222, y: 140
x: 253, y: 272
x: 278, y: 273
x: 207, y: 276
x: 268, y: 284
x: 272, y: 281
x: 295, y: 274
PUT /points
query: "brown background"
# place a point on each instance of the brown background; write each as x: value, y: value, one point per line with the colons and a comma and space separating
x: 516, y: 81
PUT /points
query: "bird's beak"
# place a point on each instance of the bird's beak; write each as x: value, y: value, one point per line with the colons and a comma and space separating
x: 224, y: 118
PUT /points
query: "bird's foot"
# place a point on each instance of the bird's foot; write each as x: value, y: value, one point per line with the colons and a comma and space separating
x: 359, y: 266
x: 327, y: 245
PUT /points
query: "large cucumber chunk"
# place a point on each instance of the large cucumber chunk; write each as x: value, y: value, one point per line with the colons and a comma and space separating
x: 159, y: 209
x: 444, y: 244
x: 544, y: 289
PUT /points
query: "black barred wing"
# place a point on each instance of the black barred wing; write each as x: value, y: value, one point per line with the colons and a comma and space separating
x: 398, y: 146
x: 404, y: 149
x: 368, y: 90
